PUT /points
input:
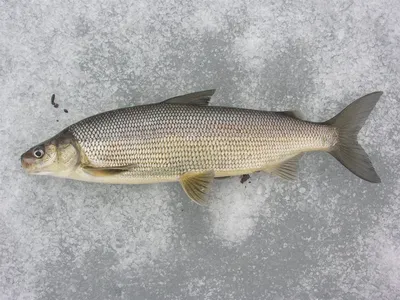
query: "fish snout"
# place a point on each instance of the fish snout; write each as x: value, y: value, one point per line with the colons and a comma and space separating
x: 27, y: 160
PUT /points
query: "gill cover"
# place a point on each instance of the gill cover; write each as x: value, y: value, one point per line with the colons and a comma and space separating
x: 58, y: 155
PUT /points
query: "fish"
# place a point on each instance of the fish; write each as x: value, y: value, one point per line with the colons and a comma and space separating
x: 184, y: 139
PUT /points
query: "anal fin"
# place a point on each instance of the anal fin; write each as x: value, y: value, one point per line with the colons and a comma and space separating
x: 197, y: 185
x: 286, y: 169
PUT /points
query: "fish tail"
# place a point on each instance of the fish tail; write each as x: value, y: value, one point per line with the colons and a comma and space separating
x: 348, y: 123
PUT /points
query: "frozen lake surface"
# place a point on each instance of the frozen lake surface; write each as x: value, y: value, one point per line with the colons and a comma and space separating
x: 328, y: 235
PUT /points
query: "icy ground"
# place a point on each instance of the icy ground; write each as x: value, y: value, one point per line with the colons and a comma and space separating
x: 328, y: 235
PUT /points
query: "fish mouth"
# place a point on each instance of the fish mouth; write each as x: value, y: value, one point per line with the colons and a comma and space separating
x: 24, y: 163
x: 28, y: 169
x: 27, y: 164
x: 32, y: 171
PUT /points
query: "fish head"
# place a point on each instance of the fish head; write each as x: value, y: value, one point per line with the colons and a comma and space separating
x: 57, y: 156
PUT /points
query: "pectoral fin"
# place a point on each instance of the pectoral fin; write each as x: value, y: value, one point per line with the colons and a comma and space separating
x: 106, y: 171
x: 286, y: 169
x: 197, y: 185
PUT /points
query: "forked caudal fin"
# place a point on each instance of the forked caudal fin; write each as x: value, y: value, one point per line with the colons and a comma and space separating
x: 348, y: 123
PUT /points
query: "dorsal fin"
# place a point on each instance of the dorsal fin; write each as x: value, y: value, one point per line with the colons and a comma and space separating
x: 198, y: 98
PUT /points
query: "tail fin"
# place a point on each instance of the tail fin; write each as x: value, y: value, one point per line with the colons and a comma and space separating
x: 348, y: 123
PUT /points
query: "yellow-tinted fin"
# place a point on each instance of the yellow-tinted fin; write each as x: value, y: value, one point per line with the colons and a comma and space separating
x: 106, y: 171
x: 287, y: 169
x: 198, y: 98
x: 197, y: 185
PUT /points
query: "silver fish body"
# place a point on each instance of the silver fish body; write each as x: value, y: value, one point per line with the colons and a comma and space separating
x: 164, y: 141
x: 183, y: 139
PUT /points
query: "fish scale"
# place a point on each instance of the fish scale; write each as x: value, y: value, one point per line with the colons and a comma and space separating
x: 183, y: 138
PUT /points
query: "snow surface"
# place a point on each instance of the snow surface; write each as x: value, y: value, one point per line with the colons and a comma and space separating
x: 328, y: 235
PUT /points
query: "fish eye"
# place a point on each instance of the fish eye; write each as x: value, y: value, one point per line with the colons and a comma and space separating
x: 38, y: 152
